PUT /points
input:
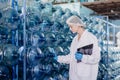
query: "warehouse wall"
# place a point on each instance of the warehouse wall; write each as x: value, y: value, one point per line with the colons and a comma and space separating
x: 77, y: 7
x: 71, y: 6
x: 85, y: 11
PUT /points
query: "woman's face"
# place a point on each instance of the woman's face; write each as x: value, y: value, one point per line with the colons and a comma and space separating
x: 73, y: 28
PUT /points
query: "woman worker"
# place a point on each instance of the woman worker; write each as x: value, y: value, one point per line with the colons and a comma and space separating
x: 83, y: 64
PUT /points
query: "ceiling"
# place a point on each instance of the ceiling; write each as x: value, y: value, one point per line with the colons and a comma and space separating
x: 109, y: 8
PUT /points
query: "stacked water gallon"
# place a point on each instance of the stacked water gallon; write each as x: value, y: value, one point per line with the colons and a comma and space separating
x: 110, y: 56
x: 47, y: 36
x: 114, y: 60
x: 8, y: 50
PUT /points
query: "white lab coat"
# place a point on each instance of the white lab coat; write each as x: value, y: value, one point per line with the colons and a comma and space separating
x: 87, y: 69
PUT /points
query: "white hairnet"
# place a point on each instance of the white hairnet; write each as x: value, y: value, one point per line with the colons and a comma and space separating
x: 75, y: 20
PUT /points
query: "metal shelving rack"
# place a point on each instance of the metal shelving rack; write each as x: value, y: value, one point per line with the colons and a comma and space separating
x: 110, y: 31
x: 14, y: 4
x: 24, y: 30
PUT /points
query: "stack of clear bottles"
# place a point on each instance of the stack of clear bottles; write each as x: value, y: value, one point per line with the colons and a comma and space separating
x: 9, y: 56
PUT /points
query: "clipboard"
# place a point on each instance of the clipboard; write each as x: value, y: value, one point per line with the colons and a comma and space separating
x: 86, y: 50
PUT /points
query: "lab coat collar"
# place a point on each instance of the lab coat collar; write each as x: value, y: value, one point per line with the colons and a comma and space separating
x: 83, y: 41
x: 82, y: 36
